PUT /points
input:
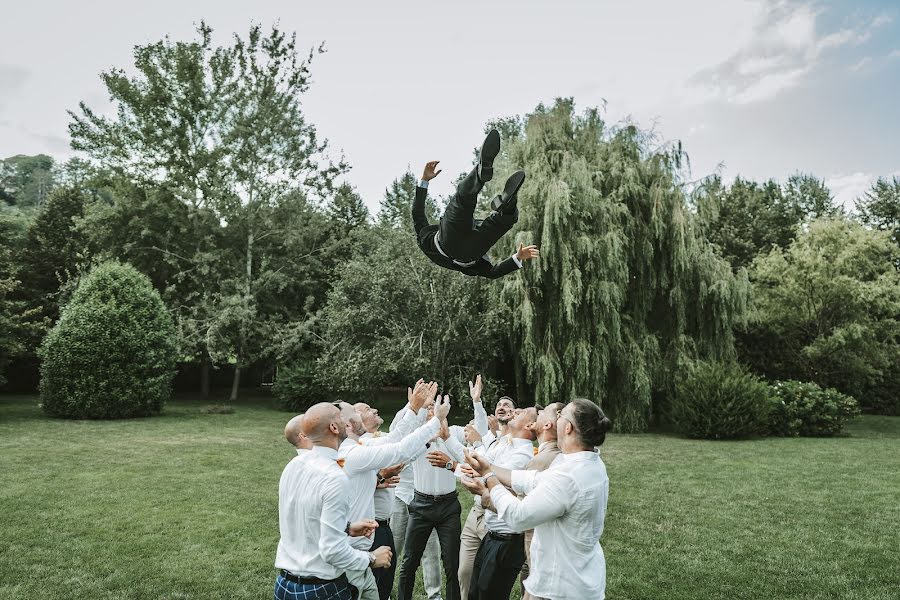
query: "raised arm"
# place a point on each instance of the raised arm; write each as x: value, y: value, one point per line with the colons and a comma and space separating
x: 546, y: 502
x: 481, y: 420
x: 514, y: 262
x: 418, y: 209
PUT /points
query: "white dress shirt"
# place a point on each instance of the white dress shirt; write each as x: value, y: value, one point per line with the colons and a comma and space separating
x: 301, y: 451
x: 566, y: 505
x: 313, y: 504
x: 512, y: 455
x: 362, y: 462
x: 399, y: 428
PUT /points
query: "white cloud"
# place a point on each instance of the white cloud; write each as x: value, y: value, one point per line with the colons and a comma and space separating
x: 861, y: 64
x: 847, y: 188
x: 784, y: 48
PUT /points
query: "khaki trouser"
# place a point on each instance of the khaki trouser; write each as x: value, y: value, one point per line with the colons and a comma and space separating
x: 528, y: 536
x: 365, y: 582
x: 473, y: 532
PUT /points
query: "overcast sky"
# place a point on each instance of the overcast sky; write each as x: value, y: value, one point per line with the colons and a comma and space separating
x: 760, y: 88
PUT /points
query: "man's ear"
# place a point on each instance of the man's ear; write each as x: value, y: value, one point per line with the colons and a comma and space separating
x: 547, y: 425
x: 334, y: 428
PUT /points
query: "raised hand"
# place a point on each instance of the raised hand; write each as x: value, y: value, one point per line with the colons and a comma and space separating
x: 493, y: 424
x: 472, y: 434
x: 363, y: 528
x: 421, y: 393
x: 476, y: 486
x: 409, y: 392
x: 527, y: 252
x: 475, y: 389
x: 442, y: 408
x: 478, y: 463
x: 382, y: 557
x: 431, y: 170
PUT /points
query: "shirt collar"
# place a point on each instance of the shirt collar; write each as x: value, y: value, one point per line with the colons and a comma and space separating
x: 520, y: 442
x: 301, y: 451
x: 583, y: 456
x: 544, y: 445
x: 325, y: 452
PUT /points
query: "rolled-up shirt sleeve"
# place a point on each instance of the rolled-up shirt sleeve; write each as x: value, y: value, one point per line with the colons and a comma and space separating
x: 333, y: 541
x: 456, y: 449
x: 372, y: 457
x: 546, y: 501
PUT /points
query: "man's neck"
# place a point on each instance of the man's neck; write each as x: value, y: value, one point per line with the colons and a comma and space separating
x: 332, y: 442
x: 546, y: 438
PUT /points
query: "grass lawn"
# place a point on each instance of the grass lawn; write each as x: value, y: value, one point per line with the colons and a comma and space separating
x: 186, y: 506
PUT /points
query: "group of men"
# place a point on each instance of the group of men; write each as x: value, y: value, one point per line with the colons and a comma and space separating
x: 355, y: 501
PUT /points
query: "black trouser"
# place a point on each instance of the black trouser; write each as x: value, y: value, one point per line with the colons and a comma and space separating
x: 463, y: 238
x: 385, y: 577
x: 425, y: 514
x: 497, y: 565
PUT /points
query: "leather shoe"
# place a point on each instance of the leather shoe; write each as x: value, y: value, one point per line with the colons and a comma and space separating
x: 489, y: 151
x: 507, y: 199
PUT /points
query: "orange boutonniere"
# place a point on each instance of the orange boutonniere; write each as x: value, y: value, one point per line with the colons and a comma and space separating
x: 535, y: 451
x: 340, y: 462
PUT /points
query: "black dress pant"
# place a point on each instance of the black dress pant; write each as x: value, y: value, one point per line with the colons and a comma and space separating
x: 385, y: 577
x: 427, y: 513
x: 461, y: 236
x: 497, y: 566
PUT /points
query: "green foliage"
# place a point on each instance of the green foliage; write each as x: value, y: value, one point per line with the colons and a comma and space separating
x: 879, y: 208
x: 625, y: 286
x: 222, y: 128
x: 393, y: 317
x: 52, y: 254
x: 747, y: 217
x: 297, y: 386
x: 716, y: 400
x: 12, y: 232
x: 112, y: 353
x: 396, y: 207
x: 827, y: 310
x: 26, y: 181
x: 805, y: 409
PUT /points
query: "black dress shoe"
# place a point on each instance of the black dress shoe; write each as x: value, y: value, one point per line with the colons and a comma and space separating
x: 489, y: 151
x: 506, y: 201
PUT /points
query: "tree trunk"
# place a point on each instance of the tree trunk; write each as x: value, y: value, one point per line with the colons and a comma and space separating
x: 204, y: 375
x: 236, y: 382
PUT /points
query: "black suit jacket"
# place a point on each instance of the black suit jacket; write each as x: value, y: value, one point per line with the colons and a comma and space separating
x: 425, y: 238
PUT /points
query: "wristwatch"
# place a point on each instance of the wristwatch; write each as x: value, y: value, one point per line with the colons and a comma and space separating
x: 371, y: 559
x: 449, y: 465
x: 380, y: 479
x: 488, y: 476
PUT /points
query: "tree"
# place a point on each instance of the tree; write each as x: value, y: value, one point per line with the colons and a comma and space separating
x: 26, y: 181
x: 222, y: 129
x: 393, y: 317
x: 112, y: 353
x: 396, y: 206
x: 626, y: 287
x: 52, y: 255
x: 879, y: 208
x: 747, y: 218
x: 827, y: 310
x: 12, y: 228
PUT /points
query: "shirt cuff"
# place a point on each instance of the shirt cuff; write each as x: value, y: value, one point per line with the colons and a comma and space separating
x: 423, y: 184
x: 516, y: 260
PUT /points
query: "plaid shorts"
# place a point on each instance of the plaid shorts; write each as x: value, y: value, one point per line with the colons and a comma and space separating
x: 289, y: 590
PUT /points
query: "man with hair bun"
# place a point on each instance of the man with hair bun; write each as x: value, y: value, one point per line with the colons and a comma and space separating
x: 565, y: 504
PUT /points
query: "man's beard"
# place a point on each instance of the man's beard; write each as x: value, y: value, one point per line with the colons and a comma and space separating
x: 342, y: 434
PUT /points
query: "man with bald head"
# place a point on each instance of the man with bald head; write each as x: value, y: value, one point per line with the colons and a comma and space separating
x: 293, y: 433
x: 362, y: 461
x: 314, y: 550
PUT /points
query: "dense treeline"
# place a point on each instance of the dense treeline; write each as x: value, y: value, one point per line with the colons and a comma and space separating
x: 211, y: 182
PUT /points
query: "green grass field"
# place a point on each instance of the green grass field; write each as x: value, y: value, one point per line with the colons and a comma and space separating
x: 186, y: 506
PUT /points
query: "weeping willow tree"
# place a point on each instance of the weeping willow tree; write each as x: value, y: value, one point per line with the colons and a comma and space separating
x: 626, y: 288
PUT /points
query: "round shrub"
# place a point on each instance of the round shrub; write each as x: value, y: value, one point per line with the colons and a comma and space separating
x: 297, y: 386
x: 112, y: 353
x: 805, y: 409
x: 716, y: 400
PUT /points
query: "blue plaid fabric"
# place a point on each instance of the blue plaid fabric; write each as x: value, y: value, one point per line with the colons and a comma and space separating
x: 288, y: 590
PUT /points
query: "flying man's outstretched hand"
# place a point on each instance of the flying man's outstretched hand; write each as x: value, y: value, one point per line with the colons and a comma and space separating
x: 431, y: 170
x: 527, y: 252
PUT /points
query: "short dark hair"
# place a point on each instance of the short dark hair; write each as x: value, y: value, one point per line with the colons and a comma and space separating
x: 590, y: 422
x: 507, y: 398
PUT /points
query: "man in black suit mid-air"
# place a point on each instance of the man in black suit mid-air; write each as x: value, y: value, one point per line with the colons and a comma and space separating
x: 460, y: 242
